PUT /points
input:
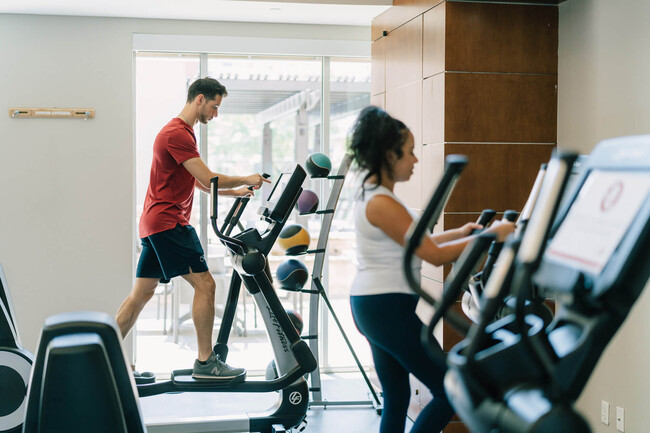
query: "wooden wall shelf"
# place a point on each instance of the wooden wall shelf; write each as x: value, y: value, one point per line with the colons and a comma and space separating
x: 52, y: 113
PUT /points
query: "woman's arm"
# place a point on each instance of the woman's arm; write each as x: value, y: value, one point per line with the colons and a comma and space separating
x: 394, y: 219
x: 454, y: 234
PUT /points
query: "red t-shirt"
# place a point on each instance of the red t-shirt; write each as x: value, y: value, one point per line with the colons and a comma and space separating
x: 171, y: 187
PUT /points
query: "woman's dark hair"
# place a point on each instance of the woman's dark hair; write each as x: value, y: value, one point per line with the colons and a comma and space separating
x: 374, y: 134
x: 208, y: 87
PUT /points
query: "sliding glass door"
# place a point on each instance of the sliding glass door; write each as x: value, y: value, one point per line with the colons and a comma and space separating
x: 278, y: 111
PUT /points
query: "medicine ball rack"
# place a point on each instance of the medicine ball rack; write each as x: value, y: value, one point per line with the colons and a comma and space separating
x: 317, y: 291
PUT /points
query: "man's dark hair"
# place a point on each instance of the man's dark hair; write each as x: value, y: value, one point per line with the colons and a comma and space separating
x: 208, y: 87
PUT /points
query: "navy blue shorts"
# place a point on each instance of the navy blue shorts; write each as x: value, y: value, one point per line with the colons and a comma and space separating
x: 171, y: 253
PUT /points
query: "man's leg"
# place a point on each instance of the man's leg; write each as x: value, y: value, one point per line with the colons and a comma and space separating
x: 203, y: 310
x: 128, y: 313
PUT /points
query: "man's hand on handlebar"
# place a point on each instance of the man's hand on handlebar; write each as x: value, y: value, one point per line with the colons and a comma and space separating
x: 243, y: 191
x: 256, y: 180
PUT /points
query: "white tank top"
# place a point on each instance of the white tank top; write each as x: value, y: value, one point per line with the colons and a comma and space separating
x: 379, y: 258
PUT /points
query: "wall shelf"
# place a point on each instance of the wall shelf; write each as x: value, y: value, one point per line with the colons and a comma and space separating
x: 52, y: 113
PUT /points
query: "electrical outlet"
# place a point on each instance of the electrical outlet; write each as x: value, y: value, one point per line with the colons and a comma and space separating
x: 604, y: 412
x: 620, y: 419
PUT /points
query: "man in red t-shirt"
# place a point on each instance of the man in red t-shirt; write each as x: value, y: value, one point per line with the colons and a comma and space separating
x: 170, y: 246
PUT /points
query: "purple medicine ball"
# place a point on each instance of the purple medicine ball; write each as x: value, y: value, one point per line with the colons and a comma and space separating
x: 307, y: 202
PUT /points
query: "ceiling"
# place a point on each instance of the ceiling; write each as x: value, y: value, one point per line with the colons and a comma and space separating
x: 330, y: 12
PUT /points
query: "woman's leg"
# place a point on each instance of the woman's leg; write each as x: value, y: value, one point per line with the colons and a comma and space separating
x: 390, y: 323
x: 396, y: 389
x: 393, y: 377
x: 438, y: 412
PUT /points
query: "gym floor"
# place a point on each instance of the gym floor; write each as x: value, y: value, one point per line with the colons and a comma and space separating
x: 158, y: 352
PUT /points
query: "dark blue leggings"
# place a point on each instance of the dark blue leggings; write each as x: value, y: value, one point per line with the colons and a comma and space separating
x: 393, y: 330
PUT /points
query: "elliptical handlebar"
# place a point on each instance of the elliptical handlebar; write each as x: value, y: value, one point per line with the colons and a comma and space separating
x: 235, y: 212
x: 511, y: 215
x: 231, y: 219
x: 454, y: 165
x: 226, y: 240
x: 452, y: 288
x: 484, y: 219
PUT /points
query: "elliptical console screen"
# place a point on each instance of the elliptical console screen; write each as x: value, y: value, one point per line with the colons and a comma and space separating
x: 279, y: 186
x: 598, y: 219
x: 275, y: 194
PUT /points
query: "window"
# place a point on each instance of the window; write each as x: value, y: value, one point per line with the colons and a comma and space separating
x: 271, y: 120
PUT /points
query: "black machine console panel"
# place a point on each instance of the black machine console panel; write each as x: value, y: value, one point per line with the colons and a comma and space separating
x: 596, y: 264
x: 279, y: 203
x: 595, y: 238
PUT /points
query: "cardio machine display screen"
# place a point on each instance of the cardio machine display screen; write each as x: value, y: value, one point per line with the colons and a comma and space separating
x: 598, y: 219
x: 271, y: 200
x: 279, y: 186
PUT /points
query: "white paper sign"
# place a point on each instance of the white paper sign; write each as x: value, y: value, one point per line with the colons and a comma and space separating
x: 598, y: 219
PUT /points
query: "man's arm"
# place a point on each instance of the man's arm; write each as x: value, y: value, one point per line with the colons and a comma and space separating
x: 198, y: 185
x: 203, y: 174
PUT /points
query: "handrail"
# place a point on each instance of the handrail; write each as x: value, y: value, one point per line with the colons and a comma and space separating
x: 453, y: 286
x: 214, y: 188
x: 454, y: 165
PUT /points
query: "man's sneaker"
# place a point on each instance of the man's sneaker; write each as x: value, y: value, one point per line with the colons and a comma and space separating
x: 215, y: 369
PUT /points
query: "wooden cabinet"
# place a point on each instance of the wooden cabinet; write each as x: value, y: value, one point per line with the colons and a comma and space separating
x: 404, y: 55
x: 503, y: 38
x: 378, y: 67
x: 433, y: 109
x: 401, y: 12
x: 404, y: 103
x: 500, y: 108
x: 433, y: 41
x: 498, y: 176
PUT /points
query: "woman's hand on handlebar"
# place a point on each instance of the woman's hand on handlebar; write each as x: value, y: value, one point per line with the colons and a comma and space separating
x: 501, y: 228
x: 468, y: 229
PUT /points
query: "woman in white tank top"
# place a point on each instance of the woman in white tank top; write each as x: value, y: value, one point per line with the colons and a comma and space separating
x: 383, y: 305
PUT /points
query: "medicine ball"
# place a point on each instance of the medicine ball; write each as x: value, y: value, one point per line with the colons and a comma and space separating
x: 307, y: 202
x: 296, y: 319
x: 294, y: 239
x: 292, y: 274
x: 271, y: 369
x: 318, y: 165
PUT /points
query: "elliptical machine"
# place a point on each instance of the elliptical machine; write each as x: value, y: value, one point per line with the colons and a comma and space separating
x: 15, y: 366
x: 248, y: 251
x: 472, y: 300
x: 588, y: 249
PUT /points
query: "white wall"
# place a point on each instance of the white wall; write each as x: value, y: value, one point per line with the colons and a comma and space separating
x: 67, y: 233
x: 604, y: 91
